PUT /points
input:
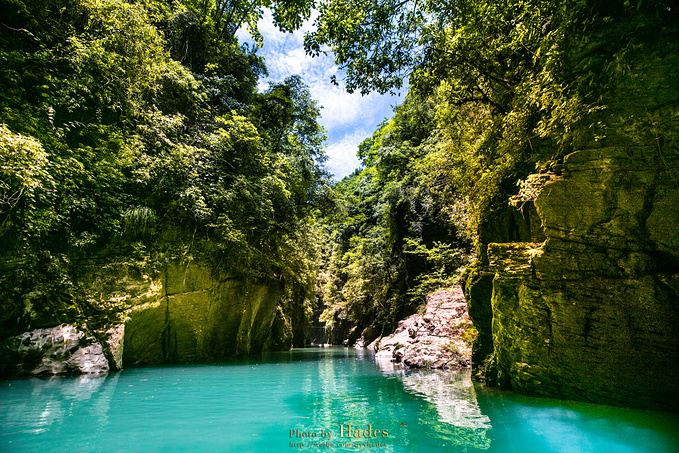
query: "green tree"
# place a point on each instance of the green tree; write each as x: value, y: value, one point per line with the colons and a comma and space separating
x: 133, y: 131
x: 227, y: 16
x: 392, y: 243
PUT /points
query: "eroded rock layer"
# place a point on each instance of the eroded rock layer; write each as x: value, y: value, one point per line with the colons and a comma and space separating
x: 593, y: 313
x: 437, y: 339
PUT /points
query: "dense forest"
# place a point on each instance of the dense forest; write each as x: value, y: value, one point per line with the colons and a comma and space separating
x: 147, y: 183
x: 499, y: 93
x: 133, y: 130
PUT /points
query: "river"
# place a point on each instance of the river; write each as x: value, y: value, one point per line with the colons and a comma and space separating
x: 315, y: 400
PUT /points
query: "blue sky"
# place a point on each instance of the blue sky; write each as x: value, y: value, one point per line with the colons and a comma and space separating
x: 348, y: 118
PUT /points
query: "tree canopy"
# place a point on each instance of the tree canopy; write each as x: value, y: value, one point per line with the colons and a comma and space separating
x: 136, y: 129
x: 498, y: 94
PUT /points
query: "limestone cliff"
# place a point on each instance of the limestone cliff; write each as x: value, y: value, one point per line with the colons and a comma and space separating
x: 593, y: 312
x: 182, y: 313
x: 188, y: 316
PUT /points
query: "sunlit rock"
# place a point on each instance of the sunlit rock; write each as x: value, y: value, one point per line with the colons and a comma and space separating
x: 58, y: 350
x: 436, y: 339
x: 197, y: 317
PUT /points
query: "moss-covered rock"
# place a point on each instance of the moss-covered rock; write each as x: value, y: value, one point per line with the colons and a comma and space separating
x: 604, y: 340
x: 593, y: 313
x: 198, y: 317
x: 182, y: 313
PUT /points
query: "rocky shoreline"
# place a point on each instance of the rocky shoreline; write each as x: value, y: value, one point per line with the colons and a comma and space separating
x: 440, y: 338
x: 63, y: 349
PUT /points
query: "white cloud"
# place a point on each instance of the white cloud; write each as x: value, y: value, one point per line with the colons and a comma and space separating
x: 342, y: 158
x: 272, y: 35
x: 348, y: 117
x: 342, y: 109
x: 287, y: 61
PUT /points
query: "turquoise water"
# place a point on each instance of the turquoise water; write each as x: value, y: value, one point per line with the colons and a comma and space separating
x: 280, y: 402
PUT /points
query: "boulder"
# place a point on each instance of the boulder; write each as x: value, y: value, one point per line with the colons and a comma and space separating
x: 437, y: 339
x: 57, y: 350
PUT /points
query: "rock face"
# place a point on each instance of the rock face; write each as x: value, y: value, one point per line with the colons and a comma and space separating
x: 58, y: 350
x: 182, y: 314
x: 114, y: 342
x: 188, y: 316
x: 436, y: 339
x: 592, y: 313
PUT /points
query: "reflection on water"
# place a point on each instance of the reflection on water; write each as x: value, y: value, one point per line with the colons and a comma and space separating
x: 452, y: 394
x: 43, y: 402
x: 258, y: 405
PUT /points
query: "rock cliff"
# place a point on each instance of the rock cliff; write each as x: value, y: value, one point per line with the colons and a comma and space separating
x: 183, y: 313
x: 592, y: 313
x: 188, y: 316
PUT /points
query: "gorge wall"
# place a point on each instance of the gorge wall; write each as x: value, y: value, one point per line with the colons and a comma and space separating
x: 187, y: 316
x: 592, y: 313
x: 182, y: 314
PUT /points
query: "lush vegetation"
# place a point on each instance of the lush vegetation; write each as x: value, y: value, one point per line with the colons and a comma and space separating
x: 394, y: 240
x: 133, y: 130
x: 499, y: 93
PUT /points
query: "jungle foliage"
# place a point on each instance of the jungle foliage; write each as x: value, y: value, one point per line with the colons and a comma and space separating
x: 498, y: 93
x: 135, y: 129
x: 392, y: 241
